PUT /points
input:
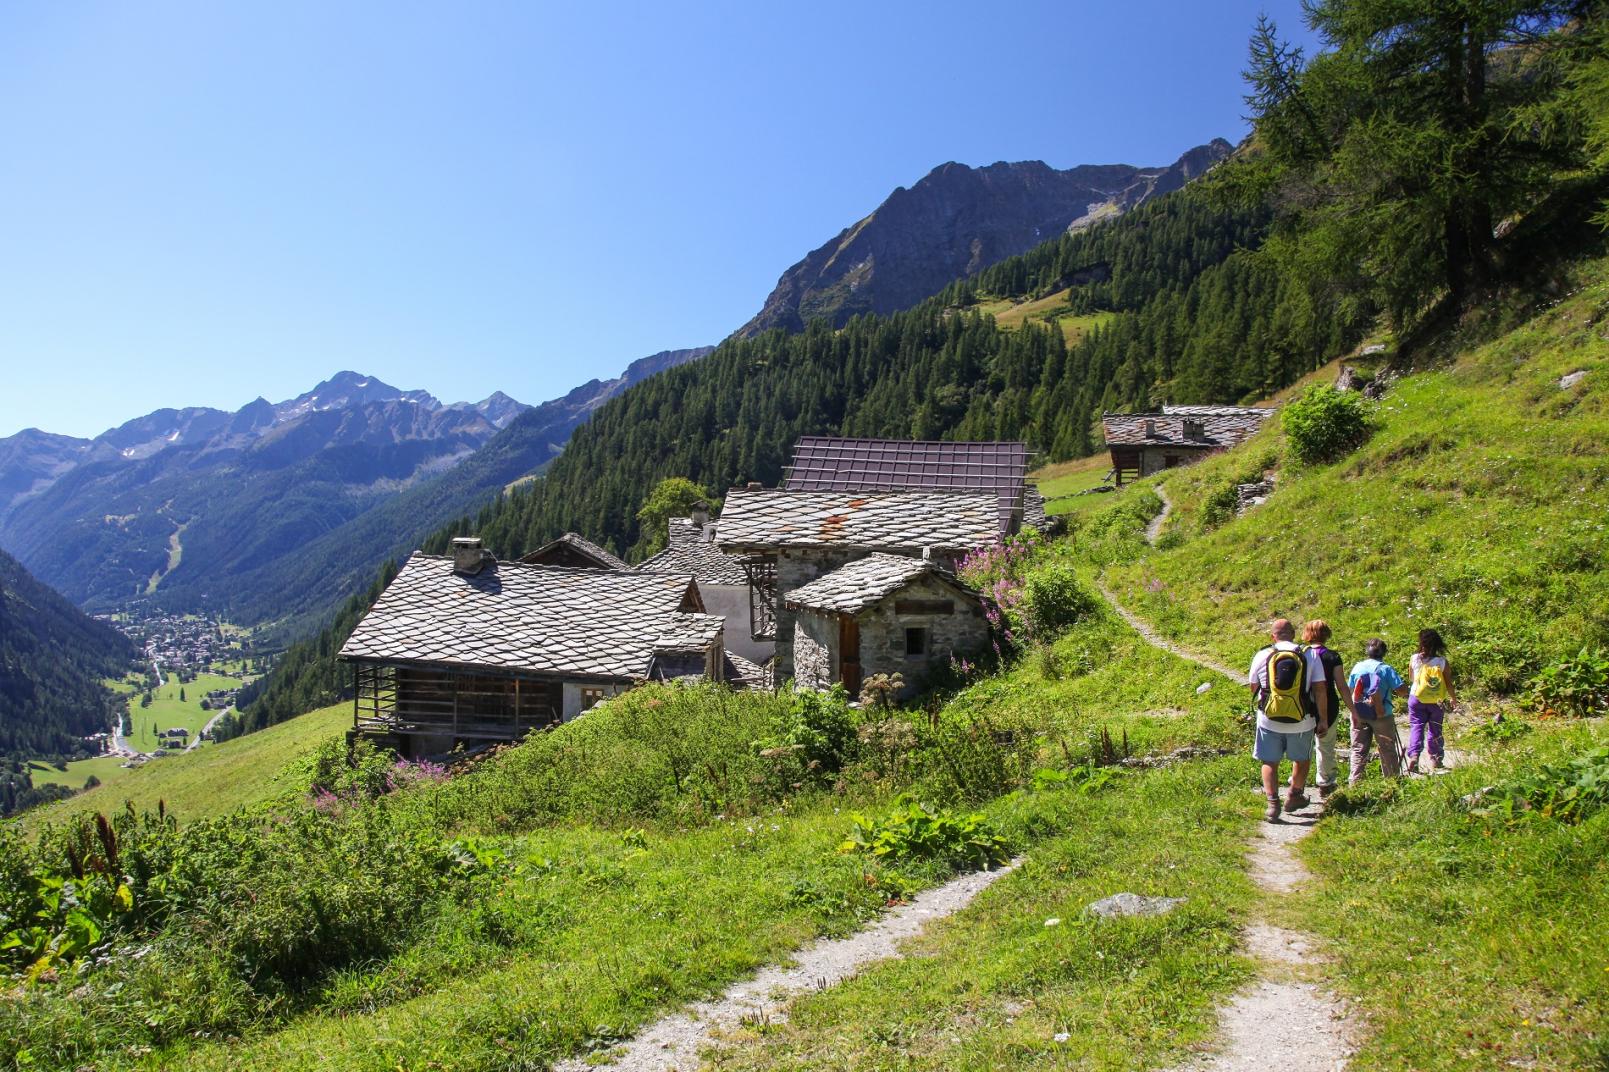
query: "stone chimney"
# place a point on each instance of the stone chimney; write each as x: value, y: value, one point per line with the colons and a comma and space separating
x: 699, y: 514
x: 469, y: 557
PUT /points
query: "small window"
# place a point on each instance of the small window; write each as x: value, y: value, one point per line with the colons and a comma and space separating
x: 591, y: 697
x: 915, y: 642
x: 1195, y: 430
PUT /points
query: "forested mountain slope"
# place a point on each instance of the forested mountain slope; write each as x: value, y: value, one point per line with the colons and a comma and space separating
x: 52, y: 660
x: 1197, y: 320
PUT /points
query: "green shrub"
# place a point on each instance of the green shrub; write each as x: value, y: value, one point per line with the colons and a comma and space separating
x: 1578, y: 685
x: 915, y: 831
x: 1510, y: 729
x: 811, y: 739
x: 1057, y: 599
x: 1325, y: 424
x: 1565, y: 792
x: 1503, y: 662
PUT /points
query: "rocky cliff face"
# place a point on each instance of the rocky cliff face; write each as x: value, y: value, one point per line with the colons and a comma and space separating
x: 954, y: 222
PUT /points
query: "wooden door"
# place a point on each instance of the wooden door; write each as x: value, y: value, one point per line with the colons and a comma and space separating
x: 849, y: 654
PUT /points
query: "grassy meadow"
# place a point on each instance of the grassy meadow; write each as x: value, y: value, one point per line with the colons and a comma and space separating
x: 211, y: 781
x: 1466, y: 940
x: 1476, y: 507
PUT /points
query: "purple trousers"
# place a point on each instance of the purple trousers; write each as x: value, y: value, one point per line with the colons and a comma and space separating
x: 1424, y: 727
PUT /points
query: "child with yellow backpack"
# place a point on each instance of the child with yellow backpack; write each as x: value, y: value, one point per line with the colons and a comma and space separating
x: 1428, y: 700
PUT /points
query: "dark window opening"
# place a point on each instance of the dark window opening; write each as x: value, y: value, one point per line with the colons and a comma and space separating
x: 915, y: 642
x: 591, y: 697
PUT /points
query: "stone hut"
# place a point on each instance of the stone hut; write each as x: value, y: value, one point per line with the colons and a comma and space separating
x: 883, y: 614
x: 786, y: 539
x: 575, y: 551
x: 466, y: 649
x: 1146, y: 443
x: 692, y: 549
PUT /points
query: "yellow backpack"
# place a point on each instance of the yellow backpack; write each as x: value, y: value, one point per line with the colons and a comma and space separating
x: 1430, y: 683
x: 1286, y: 697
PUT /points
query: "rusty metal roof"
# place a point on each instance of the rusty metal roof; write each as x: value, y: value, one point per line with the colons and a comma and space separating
x: 514, y: 617
x: 899, y: 521
x: 827, y: 463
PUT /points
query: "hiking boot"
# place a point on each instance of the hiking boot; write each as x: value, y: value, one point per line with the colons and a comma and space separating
x: 1295, y: 801
x: 1436, y: 764
x: 1272, y: 815
x: 1412, y: 767
x: 1324, y: 791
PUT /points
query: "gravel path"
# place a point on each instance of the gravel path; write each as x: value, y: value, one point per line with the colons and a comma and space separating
x: 673, y: 1042
x: 1283, y: 1020
x: 1157, y: 640
x: 1154, y: 529
x: 1143, y: 627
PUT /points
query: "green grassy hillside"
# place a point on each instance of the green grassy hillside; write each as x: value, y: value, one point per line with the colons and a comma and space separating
x: 1478, y: 507
x: 214, y: 779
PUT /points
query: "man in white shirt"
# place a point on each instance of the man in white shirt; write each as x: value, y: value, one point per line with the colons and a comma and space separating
x: 1280, y: 738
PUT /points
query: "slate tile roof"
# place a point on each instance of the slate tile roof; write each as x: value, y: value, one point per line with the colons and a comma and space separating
x: 743, y: 674
x: 692, y: 549
x: 690, y: 632
x: 827, y: 463
x: 1219, y: 426
x: 905, y: 521
x: 581, y: 546
x: 515, y: 617
x: 852, y: 588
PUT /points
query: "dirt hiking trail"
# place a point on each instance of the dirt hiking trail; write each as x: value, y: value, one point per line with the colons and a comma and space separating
x: 672, y: 1043
x: 1284, y: 1020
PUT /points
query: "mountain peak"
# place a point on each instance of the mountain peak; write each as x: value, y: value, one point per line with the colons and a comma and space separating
x: 957, y: 220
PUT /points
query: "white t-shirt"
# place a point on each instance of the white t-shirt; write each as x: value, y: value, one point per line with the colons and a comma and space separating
x: 1258, y: 675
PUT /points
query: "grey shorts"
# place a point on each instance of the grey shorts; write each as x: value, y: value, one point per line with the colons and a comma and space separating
x: 1272, y: 746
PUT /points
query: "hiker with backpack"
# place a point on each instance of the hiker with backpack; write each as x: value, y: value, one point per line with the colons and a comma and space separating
x: 1279, y: 680
x: 1428, y: 699
x: 1327, y: 690
x: 1373, y: 682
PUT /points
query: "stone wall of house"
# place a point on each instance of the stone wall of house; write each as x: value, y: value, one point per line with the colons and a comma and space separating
x: 964, y: 632
x: 1155, y: 459
x: 797, y: 567
x: 815, y: 650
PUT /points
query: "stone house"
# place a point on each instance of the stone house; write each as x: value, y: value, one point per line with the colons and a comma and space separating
x: 466, y: 649
x: 883, y: 614
x: 1145, y: 443
x: 691, y: 549
x: 786, y: 539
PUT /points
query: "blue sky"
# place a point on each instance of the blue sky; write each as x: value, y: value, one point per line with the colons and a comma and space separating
x: 201, y: 203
